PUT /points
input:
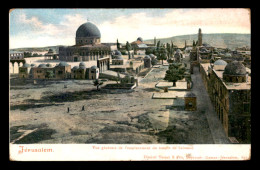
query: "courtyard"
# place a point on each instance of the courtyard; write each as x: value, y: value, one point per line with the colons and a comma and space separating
x: 39, y: 114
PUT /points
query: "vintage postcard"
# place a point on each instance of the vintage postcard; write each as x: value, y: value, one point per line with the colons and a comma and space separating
x: 129, y: 84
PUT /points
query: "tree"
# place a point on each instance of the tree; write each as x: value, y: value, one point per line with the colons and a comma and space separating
x: 117, y: 45
x: 158, y: 45
x: 175, y: 73
x: 97, y: 83
x: 148, y: 51
x: 161, y: 54
x: 128, y: 48
x: 49, y: 74
x: 193, y: 43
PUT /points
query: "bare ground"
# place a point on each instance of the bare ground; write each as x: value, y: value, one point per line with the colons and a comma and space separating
x: 109, y: 117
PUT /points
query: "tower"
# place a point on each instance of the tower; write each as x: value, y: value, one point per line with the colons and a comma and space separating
x: 185, y: 44
x: 200, y: 38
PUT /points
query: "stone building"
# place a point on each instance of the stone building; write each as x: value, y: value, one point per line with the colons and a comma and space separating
x: 79, y: 72
x: 93, y: 73
x: 147, y: 62
x: 139, y: 46
x: 40, y: 72
x: 62, y: 71
x: 51, y: 55
x: 88, y: 47
x: 190, y: 101
x: 25, y: 71
x: 47, y: 71
x: 230, y: 93
x: 117, y: 58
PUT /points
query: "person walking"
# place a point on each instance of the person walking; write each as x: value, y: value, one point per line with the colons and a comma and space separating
x: 83, y: 108
x: 68, y: 109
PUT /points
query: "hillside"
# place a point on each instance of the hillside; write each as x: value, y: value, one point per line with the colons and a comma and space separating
x: 227, y: 40
x: 40, y: 49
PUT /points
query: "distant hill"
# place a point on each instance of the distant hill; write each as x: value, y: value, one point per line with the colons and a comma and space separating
x: 228, y: 40
x: 40, y: 49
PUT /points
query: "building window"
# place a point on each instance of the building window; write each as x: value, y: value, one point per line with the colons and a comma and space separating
x: 60, y: 72
x: 246, y: 107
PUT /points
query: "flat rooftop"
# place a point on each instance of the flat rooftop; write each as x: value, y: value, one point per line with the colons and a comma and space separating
x: 180, y: 85
x: 229, y: 86
x: 168, y: 95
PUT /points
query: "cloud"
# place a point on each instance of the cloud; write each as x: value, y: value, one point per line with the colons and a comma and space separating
x: 129, y: 27
x: 46, y: 34
x: 37, y: 26
x: 177, y: 22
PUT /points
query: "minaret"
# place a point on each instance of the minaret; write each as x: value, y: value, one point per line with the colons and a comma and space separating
x: 200, y: 38
x: 154, y: 41
x: 185, y: 44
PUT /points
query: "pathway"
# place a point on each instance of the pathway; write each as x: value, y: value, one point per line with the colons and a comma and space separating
x: 204, y: 104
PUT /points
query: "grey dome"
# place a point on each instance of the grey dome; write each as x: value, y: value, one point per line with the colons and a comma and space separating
x: 63, y: 64
x: 220, y: 62
x: 147, y: 56
x: 151, y: 55
x: 203, y: 49
x: 93, y: 67
x: 26, y: 65
x: 82, y: 67
x: 42, y: 66
x: 117, y: 52
x: 88, y: 29
x: 82, y: 64
x: 33, y: 65
x: 75, y: 67
x: 140, y: 39
x: 178, y: 51
x: 235, y: 68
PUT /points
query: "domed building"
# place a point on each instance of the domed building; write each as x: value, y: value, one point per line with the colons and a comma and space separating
x: 88, y: 34
x: 93, y: 73
x: 235, y: 72
x: 117, y: 58
x: 140, y: 39
x: 139, y: 46
x: 25, y: 71
x: 229, y: 88
x: 147, y: 61
x: 88, y: 48
x: 219, y: 65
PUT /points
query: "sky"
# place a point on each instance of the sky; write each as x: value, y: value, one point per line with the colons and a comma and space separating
x: 50, y: 27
